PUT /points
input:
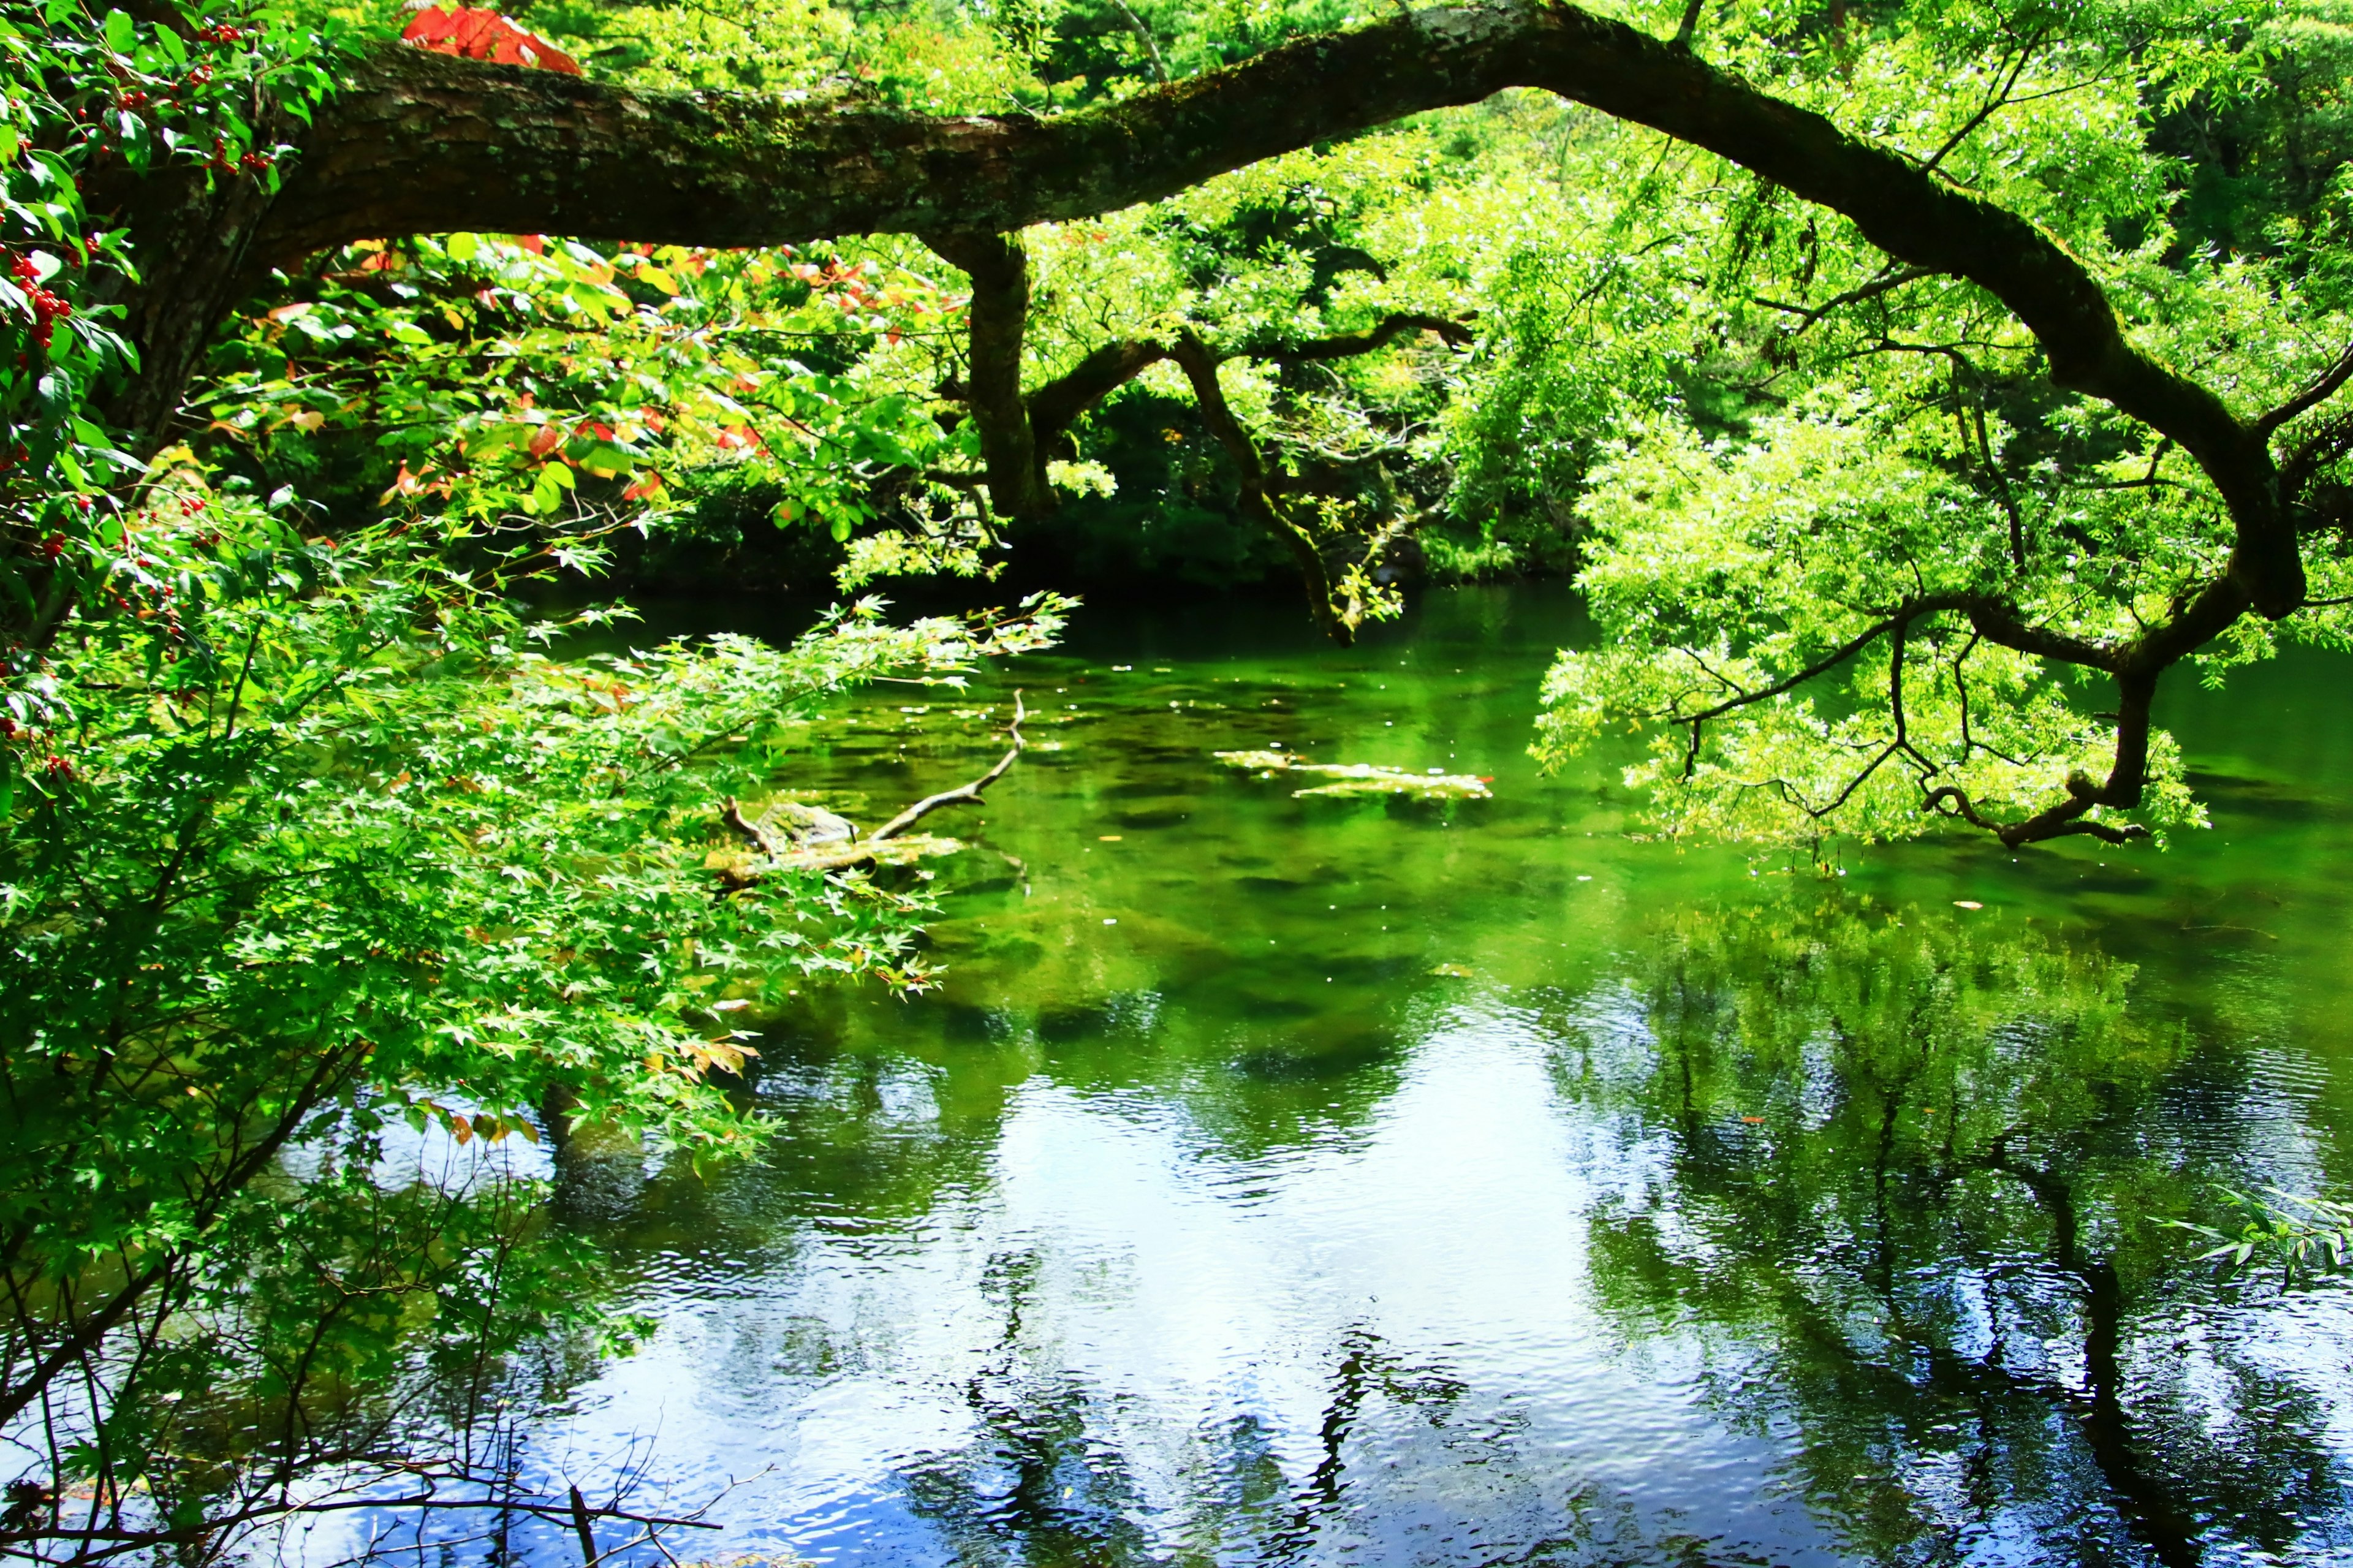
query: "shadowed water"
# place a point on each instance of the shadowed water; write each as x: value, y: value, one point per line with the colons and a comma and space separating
x: 1316, y: 1181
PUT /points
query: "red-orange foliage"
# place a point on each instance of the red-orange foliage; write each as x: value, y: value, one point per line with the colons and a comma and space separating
x: 484, y: 36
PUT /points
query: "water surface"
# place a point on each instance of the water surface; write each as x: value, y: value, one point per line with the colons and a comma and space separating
x: 1310, y: 1181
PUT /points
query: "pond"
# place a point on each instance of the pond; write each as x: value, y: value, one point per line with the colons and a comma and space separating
x: 1281, y: 1179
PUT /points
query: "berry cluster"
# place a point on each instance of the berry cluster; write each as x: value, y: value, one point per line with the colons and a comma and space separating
x: 49, y: 308
x: 12, y: 733
x: 247, y: 162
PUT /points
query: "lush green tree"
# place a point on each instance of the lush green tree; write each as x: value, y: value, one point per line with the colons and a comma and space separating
x: 328, y: 856
x: 324, y: 884
x: 2032, y: 436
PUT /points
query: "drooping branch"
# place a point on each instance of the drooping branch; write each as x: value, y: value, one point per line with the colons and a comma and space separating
x: 1894, y: 278
x: 2136, y: 667
x: 1056, y: 405
x: 1019, y: 431
x: 1200, y: 368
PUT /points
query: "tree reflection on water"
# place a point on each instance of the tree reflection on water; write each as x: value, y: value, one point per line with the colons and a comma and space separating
x: 1862, y: 1200
x: 1899, y: 1172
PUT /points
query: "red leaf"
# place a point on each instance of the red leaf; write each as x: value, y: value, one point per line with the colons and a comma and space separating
x: 550, y: 436
x: 476, y: 34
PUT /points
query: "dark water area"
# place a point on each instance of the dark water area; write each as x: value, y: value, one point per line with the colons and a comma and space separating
x: 1280, y: 1180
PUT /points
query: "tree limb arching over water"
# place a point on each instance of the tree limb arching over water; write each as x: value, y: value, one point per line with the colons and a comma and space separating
x: 416, y: 142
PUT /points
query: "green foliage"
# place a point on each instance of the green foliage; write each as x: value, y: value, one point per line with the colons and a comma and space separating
x: 2278, y: 1229
x: 530, y: 380
x: 92, y: 93
x: 1791, y: 437
x: 324, y: 853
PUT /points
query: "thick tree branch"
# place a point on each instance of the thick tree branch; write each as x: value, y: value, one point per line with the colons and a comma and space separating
x: 1056, y: 405
x: 421, y: 142
x: 1200, y: 368
x: 1347, y: 345
x: 999, y: 271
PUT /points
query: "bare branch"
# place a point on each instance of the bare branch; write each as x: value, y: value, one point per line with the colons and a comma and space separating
x: 1994, y: 102
x: 963, y: 794
x: 1895, y: 278
x: 1911, y: 611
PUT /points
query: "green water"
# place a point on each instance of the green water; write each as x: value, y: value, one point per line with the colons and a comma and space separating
x: 1312, y: 1181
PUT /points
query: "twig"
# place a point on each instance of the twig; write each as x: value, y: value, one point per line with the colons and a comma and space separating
x: 963, y: 794
x: 1895, y: 278
x: 1144, y: 34
x: 580, y: 1525
x: 2000, y: 98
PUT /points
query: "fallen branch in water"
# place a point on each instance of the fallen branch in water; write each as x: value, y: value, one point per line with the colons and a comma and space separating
x: 964, y: 794
x: 823, y: 842
x: 1360, y: 778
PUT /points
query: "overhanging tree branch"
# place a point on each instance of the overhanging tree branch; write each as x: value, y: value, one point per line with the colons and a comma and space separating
x: 421, y: 142
x: 1019, y: 431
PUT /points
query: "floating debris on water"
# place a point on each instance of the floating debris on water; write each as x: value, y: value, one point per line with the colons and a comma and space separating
x: 1452, y: 971
x: 1359, y: 778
